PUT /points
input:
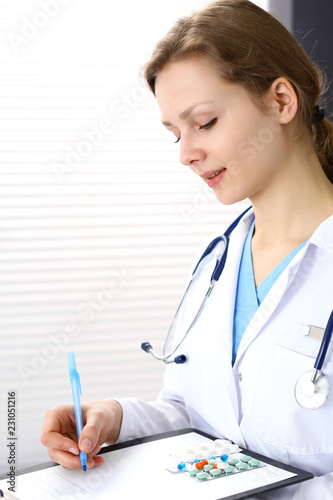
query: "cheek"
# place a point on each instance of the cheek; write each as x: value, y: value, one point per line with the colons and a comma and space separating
x: 260, y: 145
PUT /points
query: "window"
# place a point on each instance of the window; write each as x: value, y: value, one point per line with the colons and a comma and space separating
x: 99, y: 221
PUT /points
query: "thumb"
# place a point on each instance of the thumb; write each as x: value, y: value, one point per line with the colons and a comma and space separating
x: 86, y: 444
x: 89, y: 437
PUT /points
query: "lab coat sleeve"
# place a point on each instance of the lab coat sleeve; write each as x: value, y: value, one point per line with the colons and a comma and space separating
x: 142, y: 418
x: 319, y: 487
x: 168, y: 412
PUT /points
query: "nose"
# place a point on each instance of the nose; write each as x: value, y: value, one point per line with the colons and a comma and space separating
x: 190, y: 154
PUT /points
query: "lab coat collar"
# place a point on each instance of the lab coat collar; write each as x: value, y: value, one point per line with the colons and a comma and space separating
x: 323, y: 236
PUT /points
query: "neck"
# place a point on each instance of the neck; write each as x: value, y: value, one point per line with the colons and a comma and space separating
x: 294, y: 205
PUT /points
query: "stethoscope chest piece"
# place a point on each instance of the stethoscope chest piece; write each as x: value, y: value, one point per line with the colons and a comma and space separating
x: 311, y: 390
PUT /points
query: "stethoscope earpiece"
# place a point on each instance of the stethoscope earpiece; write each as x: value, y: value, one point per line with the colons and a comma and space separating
x: 179, y: 360
x: 145, y: 346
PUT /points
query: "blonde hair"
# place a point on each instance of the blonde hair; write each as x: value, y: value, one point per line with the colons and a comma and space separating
x: 252, y: 48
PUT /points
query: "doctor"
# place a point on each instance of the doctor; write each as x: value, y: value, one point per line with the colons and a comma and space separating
x: 241, y: 98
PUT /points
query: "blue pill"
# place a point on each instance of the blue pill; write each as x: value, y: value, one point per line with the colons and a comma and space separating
x: 181, y: 466
x: 224, y: 457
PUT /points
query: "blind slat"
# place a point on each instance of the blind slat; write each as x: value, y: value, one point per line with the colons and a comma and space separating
x: 93, y: 257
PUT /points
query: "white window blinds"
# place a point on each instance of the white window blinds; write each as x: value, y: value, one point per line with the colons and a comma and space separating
x: 99, y: 221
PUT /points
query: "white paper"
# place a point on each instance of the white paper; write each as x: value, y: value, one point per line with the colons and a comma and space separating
x: 139, y: 470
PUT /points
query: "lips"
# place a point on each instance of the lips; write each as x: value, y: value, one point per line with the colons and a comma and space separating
x: 213, y: 177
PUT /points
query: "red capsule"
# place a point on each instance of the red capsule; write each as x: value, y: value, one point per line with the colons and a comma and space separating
x: 201, y: 464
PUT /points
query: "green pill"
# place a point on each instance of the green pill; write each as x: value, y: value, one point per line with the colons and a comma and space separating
x: 229, y: 469
x: 215, y: 472
x: 193, y: 472
x: 244, y: 458
x: 253, y: 462
x: 207, y: 467
x: 202, y: 476
x: 233, y: 461
x: 241, y: 466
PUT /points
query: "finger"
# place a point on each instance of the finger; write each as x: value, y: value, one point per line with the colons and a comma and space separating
x: 59, y: 442
x: 89, y: 438
x: 71, y: 462
x: 98, y: 461
x: 59, y: 431
x: 65, y: 459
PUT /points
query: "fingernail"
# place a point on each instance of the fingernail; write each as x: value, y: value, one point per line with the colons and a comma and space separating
x: 74, y: 451
x: 98, y: 463
x: 86, y: 445
x: 96, y: 450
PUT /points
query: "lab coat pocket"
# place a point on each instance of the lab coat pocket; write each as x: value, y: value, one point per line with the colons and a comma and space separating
x: 279, y: 419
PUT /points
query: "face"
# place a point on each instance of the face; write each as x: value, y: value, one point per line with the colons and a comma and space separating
x: 224, y: 137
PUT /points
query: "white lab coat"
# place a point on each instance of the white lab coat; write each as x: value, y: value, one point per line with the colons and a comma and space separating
x: 252, y: 403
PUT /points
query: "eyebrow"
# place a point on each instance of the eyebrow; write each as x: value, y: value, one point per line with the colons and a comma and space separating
x: 184, y: 114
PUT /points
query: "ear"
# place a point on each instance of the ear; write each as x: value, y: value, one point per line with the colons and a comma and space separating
x: 284, y: 100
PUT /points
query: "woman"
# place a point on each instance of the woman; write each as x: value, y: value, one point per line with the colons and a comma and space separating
x: 242, y: 99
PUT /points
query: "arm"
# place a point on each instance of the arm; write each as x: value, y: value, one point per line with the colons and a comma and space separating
x: 144, y: 419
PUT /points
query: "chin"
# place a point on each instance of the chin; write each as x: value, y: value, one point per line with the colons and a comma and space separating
x: 227, y: 197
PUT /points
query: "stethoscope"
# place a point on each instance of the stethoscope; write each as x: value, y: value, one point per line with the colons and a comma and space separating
x: 311, y: 389
x: 219, y: 266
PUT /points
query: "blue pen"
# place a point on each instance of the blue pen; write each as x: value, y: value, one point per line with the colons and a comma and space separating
x: 76, y: 391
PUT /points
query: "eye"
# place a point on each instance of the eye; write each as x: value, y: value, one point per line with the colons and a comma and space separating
x: 177, y: 140
x: 209, y: 124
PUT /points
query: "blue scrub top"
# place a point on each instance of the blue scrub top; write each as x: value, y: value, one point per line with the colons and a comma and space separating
x: 248, y: 297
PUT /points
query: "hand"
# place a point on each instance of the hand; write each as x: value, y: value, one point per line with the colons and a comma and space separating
x: 102, y: 422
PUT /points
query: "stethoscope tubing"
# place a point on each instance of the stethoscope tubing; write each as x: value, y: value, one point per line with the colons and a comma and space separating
x: 324, y: 344
x: 146, y: 346
x: 165, y: 357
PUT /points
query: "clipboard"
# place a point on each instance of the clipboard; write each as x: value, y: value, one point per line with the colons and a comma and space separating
x: 139, y: 465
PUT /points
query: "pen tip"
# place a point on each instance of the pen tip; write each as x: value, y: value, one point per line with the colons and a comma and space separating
x: 84, y: 467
